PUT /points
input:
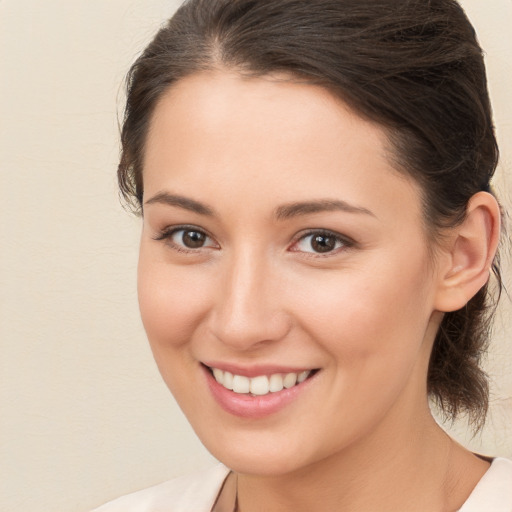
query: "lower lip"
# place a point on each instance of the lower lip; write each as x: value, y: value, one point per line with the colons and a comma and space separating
x: 254, y: 407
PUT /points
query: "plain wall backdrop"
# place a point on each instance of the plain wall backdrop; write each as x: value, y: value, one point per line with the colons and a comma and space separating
x: 84, y: 415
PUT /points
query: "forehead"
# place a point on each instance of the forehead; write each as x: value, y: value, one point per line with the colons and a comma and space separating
x: 267, y: 139
x: 218, y: 104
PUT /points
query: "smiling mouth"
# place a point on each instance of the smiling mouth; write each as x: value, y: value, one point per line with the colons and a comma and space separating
x: 262, y: 384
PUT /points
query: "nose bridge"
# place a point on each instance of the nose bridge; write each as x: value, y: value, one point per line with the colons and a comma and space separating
x: 248, y: 310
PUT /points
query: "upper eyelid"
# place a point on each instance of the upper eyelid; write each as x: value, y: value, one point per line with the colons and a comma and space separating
x: 169, y: 230
x: 347, y: 244
x: 166, y: 233
x: 313, y: 231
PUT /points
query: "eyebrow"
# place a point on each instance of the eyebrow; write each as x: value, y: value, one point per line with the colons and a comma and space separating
x: 181, y: 202
x: 282, y: 212
x: 322, y: 205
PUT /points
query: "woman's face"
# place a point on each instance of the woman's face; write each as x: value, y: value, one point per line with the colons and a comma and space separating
x: 278, y: 240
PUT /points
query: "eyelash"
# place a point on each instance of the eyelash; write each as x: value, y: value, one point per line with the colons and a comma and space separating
x: 346, y: 243
x: 167, y: 234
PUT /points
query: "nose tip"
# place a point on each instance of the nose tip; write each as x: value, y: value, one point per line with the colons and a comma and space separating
x: 248, y: 311
x: 250, y: 330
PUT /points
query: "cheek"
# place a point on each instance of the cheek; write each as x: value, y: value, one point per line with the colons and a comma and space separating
x: 365, y: 316
x: 171, y: 301
x: 374, y: 331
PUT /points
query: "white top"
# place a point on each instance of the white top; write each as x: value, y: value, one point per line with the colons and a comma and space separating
x: 493, y: 493
x: 198, y: 492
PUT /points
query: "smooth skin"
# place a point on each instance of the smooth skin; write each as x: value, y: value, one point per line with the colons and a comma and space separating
x: 240, y: 176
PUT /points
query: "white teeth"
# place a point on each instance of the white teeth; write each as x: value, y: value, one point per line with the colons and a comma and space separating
x: 303, y: 376
x: 228, y: 380
x: 218, y: 374
x: 290, y: 380
x: 276, y: 382
x: 261, y: 385
x: 241, y: 384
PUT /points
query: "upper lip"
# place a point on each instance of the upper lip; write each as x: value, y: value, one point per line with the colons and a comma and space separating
x: 255, y: 370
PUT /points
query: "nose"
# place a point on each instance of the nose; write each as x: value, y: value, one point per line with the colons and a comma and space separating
x: 249, y: 311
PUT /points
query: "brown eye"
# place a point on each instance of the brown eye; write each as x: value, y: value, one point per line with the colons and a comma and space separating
x: 187, y: 238
x: 321, y: 242
x: 192, y: 239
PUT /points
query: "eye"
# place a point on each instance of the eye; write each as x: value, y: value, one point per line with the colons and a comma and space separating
x: 186, y: 238
x: 320, y: 242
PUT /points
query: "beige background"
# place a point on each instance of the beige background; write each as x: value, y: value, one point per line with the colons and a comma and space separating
x: 84, y: 416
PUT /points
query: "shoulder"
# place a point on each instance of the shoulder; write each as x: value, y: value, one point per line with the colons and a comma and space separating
x: 494, y: 490
x: 192, y: 493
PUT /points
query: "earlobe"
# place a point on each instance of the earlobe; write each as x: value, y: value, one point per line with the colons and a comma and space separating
x: 470, y: 253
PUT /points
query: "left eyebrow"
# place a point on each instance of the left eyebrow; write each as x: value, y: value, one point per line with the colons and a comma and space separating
x: 287, y: 211
x: 181, y: 202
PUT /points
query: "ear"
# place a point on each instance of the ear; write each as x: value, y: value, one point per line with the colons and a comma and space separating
x: 466, y: 263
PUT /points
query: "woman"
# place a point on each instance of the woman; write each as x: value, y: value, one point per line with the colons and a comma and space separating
x: 318, y: 236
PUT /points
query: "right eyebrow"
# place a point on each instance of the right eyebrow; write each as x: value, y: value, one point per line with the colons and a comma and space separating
x: 287, y: 211
x: 181, y: 202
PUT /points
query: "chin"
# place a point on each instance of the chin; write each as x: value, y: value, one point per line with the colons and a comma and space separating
x: 263, y: 453
x: 262, y: 463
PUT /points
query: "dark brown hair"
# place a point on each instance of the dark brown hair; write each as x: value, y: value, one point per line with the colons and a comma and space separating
x: 413, y: 66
